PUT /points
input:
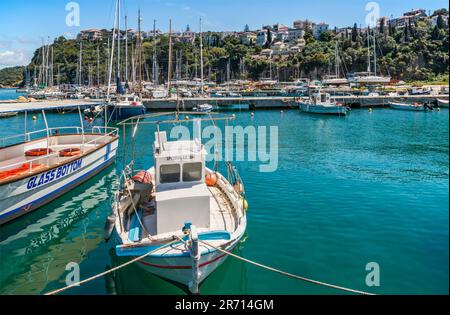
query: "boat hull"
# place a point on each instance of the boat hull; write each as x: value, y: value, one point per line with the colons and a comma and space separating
x: 417, y: 108
x: 123, y: 112
x: 178, y: 268
x: 325, y: 110
x: 442, y: 103
x: 25, y: 195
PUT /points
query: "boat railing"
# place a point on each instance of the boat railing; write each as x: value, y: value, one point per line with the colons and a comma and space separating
x: 103, y: 132
x: 55, y: 131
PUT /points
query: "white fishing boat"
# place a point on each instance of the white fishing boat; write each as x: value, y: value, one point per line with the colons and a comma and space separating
x: 171, y: 209
x: 411, y: 107
x: 442, y: 103
x: 203, y: 108
x: 42, y: 165
x: 320, y: 103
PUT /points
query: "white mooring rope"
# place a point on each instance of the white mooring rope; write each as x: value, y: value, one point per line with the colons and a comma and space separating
x: 109, y: 271
x: 287, y: 273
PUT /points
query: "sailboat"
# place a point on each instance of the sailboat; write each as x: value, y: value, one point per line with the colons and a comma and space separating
x: 171, y: 209
x: 335, y: 79
x: 125, y: 105
x: 370, y: 77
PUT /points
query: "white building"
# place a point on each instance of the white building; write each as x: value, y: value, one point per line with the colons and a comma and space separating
x: 295, y: 34
x: 319, y: 29
x: 247, y: 38
x: 434, y: 19
x: 261, y: 37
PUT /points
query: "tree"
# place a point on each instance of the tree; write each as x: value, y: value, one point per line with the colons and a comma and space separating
x: 325, y: 36
x: 269, y: 39
x: 382, y: 22
x: 355, y: 33
x: 440, y: 22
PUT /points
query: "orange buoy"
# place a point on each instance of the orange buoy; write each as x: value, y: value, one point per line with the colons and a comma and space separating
x: 70, y: 152
x: 211, y: 179
x: 38, y: 152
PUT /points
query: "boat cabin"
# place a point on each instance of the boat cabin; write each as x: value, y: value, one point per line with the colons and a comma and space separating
x: 321, y: 98
x: 181, y: 192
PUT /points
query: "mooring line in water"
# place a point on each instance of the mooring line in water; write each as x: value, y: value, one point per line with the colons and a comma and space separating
x: 110, y: 270
x: 287, y: 273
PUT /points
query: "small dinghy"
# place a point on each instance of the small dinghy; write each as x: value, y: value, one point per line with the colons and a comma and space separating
x: 8, y: 114
x: 203, y: 108
x: 178, y: 211
x: 442, y: 103
x: 411, y: 107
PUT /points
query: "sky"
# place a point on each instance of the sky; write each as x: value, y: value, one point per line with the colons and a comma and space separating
x: 25, y: 24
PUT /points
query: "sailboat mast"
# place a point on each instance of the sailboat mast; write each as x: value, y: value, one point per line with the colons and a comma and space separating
x: 126, y: 49
x: 81, y: 64
x: 374, y: 53
x: 98, y: 66
x: 201, y: 57
x: 118, y: 42
x: 368, y: 50
x: 170, y: 61
x: 140, y: 51
x: 110, y: 71
x: 154, y: 52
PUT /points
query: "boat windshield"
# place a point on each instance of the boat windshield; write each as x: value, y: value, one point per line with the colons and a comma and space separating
x: 170, y: 173
x: 192, y: 172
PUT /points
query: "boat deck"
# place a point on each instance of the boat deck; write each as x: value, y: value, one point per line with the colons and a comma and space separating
x: 14, y: 163
x: 221, y: 218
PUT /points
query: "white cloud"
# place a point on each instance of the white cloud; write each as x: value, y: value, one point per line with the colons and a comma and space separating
x: 11, y: 58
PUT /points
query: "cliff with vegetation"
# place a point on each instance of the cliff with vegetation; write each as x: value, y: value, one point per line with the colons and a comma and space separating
x: 11, y: 77
x: 416, y: 52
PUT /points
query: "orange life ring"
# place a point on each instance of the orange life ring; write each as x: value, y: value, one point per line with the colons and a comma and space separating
x: 38, y: 152
x: 70, y: 152
x: 21, y: 170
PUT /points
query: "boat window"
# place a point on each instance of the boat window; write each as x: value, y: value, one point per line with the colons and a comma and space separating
x: 192, y: 172
x: 170, y: 173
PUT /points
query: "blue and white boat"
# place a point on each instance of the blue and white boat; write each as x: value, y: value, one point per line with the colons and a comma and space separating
x: 45, y: 164
x: 181, y: 203
x: 126, y: 106
x: 320, y: 103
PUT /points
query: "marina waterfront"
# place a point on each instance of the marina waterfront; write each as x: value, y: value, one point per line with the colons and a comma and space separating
x: 370, y: 187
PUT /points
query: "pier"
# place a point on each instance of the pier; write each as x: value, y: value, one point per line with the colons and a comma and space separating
x: 269, y: 102
x: 47, y: 105
x: 275, y: 102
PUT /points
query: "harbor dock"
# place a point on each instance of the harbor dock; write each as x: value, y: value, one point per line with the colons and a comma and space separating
x: 269, y: 102
x: 47, y: 105
x: 282, y: 102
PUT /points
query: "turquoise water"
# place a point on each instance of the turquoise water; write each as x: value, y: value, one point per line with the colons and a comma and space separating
x: 9, y: 94
x: 371, y: 187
